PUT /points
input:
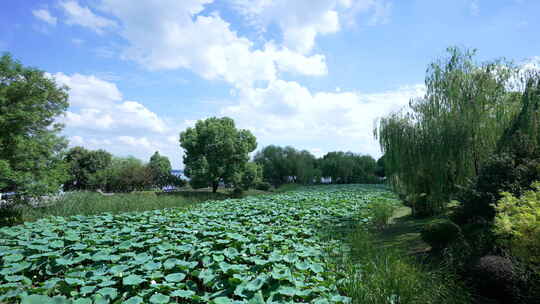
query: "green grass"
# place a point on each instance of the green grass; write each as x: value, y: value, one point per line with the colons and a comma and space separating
x: 91, y: 203
x: 382, y: 275
x: 382, y: 264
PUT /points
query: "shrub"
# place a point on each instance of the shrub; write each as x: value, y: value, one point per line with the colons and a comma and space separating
x: 441, y: 233
x: 263, y: 186
x: 10, y: 215
x: 237, y: 192
x: 495, y: 277
x: 517, y: 223
x: 512, y: 171
x: 381, y: 212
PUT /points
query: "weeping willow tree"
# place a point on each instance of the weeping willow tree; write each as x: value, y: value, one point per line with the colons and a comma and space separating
x: 440, y: 140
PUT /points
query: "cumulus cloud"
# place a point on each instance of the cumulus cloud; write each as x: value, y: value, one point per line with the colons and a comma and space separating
x: 287, y: 111
x: 301, y: 21
x: 45, y: 16
x: 85, y: 17
x: 89, y: 91
x: 176, y: 34
x: 99, y: 118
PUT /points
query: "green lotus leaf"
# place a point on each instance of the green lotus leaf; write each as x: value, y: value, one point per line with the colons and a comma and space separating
x: 132, y: 279
x: 175, y: 277
x: 87, y: 289
x: 183, y: 293
x: 108, y: 292
x: 222, y: 300
x: 13, y: 258
x: 159, y: 298
x: 134, y: 300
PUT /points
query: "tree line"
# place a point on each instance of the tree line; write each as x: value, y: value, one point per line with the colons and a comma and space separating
x: 35, y: 159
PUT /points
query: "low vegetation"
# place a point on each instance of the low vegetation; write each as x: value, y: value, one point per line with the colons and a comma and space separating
x: 264, y: 248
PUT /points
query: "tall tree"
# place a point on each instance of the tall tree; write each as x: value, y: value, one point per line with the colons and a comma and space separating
x: 83, y: 164
x: 215, y: 151
x: 273, y: 161
x: 160, y: 167
x: 440, y: 140
x: 30, y: 147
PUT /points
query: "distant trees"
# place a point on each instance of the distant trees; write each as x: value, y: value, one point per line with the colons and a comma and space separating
x: 251, y: 175
x: 286, y: 164
x: 215, y: 151
x: 349, y: 168
x: 30, y: 147
x: 83, y: 164
x: 160, y: 168
x: 93, y: 170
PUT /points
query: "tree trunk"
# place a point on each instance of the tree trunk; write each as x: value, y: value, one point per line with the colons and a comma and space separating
x: 215, y: 186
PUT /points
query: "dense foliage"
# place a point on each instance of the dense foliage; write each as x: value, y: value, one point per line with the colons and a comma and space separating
x: 286, y: 164
x: 160, y: 168
x: 442, y: 139
x: 263, y: 249
x: 30, y: 147
x: 251, y: 176
x: 123, y: 175
x: 215, y: 151
x: 349, y: 168
x: 517, y: 222
x: 440, y: 234
x: 514, y: 166
x: 83, y: 165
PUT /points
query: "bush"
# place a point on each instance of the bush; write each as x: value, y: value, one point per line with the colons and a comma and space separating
x: 10, y: 215
x: 263, y: 186
x: 495, y: 277
x: 510, y: 171
x: 517, y: 223
x: 237, y: 193
x: 441, y: 233
x: 381, y: 211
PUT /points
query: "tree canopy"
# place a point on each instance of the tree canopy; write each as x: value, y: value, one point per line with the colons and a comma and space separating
x: 83, y: 164
x: 160, y: 167
x: 439, y: 142
x: 30, y: 147
x: 215, y: 150
x: 286, y: 164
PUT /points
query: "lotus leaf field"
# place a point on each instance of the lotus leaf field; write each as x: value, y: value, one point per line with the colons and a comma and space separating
x: 265, y: 249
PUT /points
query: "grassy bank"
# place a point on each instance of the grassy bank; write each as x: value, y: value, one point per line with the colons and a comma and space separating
x: 382, y: 265
x: 91, y: 203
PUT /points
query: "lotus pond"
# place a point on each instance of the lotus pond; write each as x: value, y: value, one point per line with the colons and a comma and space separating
x: 265, y: 249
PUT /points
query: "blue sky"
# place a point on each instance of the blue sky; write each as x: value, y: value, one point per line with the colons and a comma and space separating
x: 313, y: 74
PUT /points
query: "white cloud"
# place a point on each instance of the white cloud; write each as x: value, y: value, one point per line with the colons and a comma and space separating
x: 89, y: 91
x: 99, y: 118
x: 83, y: 16
x: 175, y: 35
x: 474, y: 7
x: 45, y: 16
x: 287, y: 111
x: 301, y: 21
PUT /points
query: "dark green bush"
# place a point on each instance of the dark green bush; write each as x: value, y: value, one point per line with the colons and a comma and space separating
x: 237, y: 193
x: 263, y: 186
x: 10, y: 215
x: 496, y: 277
x: 511, y: 170
x: 441, y: 233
